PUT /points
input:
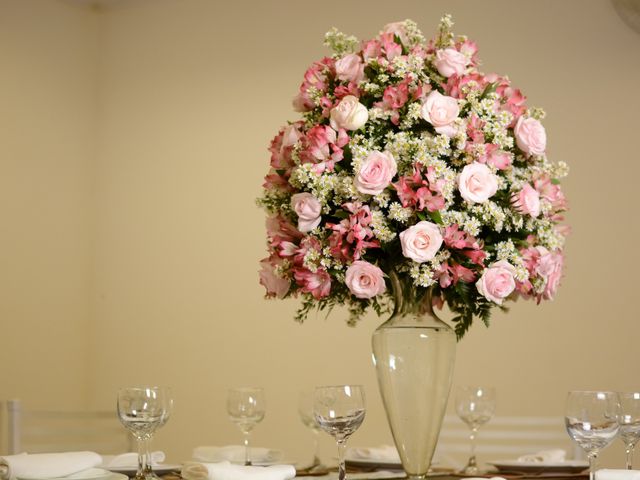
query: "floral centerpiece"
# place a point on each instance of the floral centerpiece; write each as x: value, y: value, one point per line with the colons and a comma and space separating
x: 408, y: 159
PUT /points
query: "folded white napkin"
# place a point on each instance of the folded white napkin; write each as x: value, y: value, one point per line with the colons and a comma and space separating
x: 47, y: 465
x: 383, y: 453
x: 129, y: 459
x: 544, y: 456
x: 228, y: 471
x: 616, y: 474
x: 235, y: 454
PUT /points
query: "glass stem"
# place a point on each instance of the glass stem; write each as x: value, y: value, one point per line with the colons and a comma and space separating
x: 592, y: 465
x: 247, y: 449
x: 316, y: 449
x: 142, y: 458
x: 147, y: 443
x: 342, y: 445
x: 472, y: 440
x: 629, y: 452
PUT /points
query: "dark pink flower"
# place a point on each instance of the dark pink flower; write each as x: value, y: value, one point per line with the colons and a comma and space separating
x: 352, y: 235
x: 420, y: 192
x: 316, y: 283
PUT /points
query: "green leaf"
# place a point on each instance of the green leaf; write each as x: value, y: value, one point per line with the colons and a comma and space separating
x: 555, y: 181
x: 489, y: 89
x: 341, y: 214
x: 436, y: 217
x: 421, y: 215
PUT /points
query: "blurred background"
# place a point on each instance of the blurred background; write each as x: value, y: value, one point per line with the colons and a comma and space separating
x: 133, y: 142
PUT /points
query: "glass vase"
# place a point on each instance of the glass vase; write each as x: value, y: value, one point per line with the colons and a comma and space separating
x: 414, y: 355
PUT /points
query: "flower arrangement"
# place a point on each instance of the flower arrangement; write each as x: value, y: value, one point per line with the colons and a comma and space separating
x: 408, y: 158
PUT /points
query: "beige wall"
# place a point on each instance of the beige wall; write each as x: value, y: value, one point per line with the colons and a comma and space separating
x: 47, y: 141
x: 190, y: 94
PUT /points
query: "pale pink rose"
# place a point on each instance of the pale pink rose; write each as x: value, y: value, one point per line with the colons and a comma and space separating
x: 308, y: 209
x: 364, y: 279
x: 531, y: 136
x: 421, y: 241
x: 527, y: 201
x: 398, y: 29
x: 497, y: 282
x: 276, y: 286
x: 477, y: 183
x: 451, y: 62
x: 349, y: 114
x: 350, y: 68
x: 440, y: 111
x: 375, y: 173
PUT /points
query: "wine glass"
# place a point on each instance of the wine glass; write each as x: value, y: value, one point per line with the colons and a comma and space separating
x: 591, y: 419
x: 475, y: 407
x: 246, y: 408
x: 305, y: 410
x: 339, y: 410
x: 629, y: 420
x: 142, y: 410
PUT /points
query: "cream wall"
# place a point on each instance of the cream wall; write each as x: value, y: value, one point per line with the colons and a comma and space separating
x: 47, y: 141
x: 190, y: 94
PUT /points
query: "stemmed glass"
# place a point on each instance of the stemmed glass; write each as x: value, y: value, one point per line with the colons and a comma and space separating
x: 475, y: 407
x: 305, y: 410
x: 629, y: 420
x: 591, y: 419
x: 142, y: 410
x: 246, y: 408
x: 339, y: 410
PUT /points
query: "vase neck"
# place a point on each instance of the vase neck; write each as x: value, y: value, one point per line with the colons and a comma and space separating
x: 409, y: 299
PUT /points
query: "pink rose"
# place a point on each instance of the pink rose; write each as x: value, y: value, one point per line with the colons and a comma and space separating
x: 364, y: 279
x: 527, y: 201
x: 497, y: 281
x: 476, y: 183
x: 276, y: 286
x: 375, y: 173
x: 308, y: 209
x: 421, y: 241
x: 350, y: 68
x: 531, y: 136
x: 349, y: 114
x: 451, y: 62
x: 440, y: 111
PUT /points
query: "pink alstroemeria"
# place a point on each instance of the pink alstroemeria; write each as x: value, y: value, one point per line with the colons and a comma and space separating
x: 276, y: 286
x: 279, y: 229
x: 390, y: 47
x: 421, y: 192
x: 322, y: 145
x: 492, y: 155
x: 317, y: 76
x: 551, y: 193
x: 316, y: 283
x: 451, y: 273
x: 352, y: 235
x: 459, y: 239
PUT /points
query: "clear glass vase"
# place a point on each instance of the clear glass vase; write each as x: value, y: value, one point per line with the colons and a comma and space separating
x: 414, y: 353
